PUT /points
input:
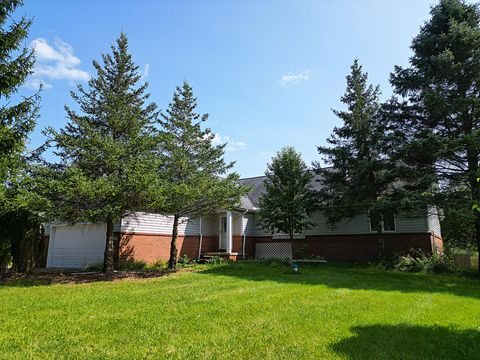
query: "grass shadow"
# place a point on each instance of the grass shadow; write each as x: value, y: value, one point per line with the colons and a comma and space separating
x: 409, y: 342
x: 31, y: 280
x: 355, y: 277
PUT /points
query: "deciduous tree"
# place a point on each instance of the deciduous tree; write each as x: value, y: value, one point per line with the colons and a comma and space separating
x: 289, y: 198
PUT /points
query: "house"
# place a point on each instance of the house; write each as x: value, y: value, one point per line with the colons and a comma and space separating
x: 236, y: 234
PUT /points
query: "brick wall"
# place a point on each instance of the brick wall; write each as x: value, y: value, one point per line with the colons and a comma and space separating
x: 152, y: 247
x: 437, y: 243
x: 363, y: 247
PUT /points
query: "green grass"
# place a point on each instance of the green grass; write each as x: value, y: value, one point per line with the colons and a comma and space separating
x: 247, y: 310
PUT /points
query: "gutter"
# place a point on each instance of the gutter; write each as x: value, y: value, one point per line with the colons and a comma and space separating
x: 244, y: 236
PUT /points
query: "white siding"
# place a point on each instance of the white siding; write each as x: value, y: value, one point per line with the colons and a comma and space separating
x: 210, y: 225
x: 48, y: 226
x: 76, y: 246
x: 356, y: 225
x: 411, y: 224
x: 237, y: 224
x: 160, y: 224
x: 434, y: 221
x: 248, y: 224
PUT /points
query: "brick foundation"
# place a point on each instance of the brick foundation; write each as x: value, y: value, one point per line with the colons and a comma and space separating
x: 152, y: 247
x: 361, y: 247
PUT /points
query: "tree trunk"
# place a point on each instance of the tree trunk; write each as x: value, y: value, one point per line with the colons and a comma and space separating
x: 108, y: 256
x: 172, y: 262
x: 381, y: 241
x: 477, y: 236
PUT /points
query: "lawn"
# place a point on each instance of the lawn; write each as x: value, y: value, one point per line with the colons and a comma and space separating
x: 246, y: 310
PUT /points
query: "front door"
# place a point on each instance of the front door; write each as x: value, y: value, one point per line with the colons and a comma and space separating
x: 223, y: 232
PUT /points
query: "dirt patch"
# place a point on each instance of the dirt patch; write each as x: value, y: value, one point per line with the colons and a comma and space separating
x: 47, y: 278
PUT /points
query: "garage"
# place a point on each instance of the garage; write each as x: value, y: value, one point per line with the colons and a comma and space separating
x: 76, y: 246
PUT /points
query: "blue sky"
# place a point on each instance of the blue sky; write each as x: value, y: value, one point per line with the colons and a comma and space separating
x: 267, y: 72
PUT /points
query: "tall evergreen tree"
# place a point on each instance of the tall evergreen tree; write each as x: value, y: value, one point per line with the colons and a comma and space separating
x: 193, y: 171
x: 289, y: 198
x: 361, y: 179
x: 18, y: 115
x: 105, y: 149
x: 438, y: 103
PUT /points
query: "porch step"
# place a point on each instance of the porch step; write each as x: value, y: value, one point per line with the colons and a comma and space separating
x: 218, y: 253
x: 210, y: 255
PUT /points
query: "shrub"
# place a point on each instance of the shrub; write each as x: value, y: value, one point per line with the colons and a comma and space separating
x: 157, y: 265
x: 184, y: 260
x: 131, y: 265
x: 217, y: 260
x: 421, y: 262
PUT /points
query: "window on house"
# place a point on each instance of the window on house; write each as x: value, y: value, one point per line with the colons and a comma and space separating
x: 388, y: 222
x: 387, y: 219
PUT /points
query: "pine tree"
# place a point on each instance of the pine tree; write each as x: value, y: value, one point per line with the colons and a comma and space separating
x: 18, y: 116
x: 361, y: 179
x: 194, y: 176
x: 289, y: 198
x: 16, y: 120
x: 105, y: 150
x: 438, y: 103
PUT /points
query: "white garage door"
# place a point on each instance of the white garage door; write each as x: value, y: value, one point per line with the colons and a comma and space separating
x: 76, y: 246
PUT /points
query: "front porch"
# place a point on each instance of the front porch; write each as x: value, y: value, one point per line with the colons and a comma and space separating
x: 231, y: 237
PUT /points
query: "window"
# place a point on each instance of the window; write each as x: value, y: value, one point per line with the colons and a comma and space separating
x: 387, y: 221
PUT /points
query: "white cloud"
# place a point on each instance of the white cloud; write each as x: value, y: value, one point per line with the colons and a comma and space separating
x: 146, y: 71
x: 288, y: 79
x: 55, y: 61
x: 35, y: 83
x: 232, y: 145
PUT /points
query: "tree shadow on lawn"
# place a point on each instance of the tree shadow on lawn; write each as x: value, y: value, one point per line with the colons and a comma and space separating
x: 30, y: 280
x: 348, y: 276
x: 409, y: 342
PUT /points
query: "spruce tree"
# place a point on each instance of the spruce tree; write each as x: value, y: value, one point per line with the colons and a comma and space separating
x: 105, y: 150
x: 438, y: 103
x: 361, y: 179
x: 194, y: 175
x: 289, y: 198
x: 18, y: 114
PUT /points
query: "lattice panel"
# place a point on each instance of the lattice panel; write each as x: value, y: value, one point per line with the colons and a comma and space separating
x: 276, y: 250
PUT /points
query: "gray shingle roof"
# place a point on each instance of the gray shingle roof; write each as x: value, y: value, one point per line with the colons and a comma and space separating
x: 250, y: 202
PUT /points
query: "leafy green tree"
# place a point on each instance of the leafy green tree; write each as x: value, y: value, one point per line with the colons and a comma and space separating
x: 105, y: 150
x: 18, y: 116
x: 289, y: 198
x: 361, y: 181
x: 438, y: 101
x: 194, y: 177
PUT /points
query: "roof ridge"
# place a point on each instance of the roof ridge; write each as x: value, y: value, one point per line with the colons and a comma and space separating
x: 252, y: 177
x: 259, y: 176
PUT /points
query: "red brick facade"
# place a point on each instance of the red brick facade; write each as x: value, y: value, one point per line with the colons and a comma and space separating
x: 152, y: 247
x: 361, y: 247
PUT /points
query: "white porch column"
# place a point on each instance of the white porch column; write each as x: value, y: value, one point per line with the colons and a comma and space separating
x: 229, y: 232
